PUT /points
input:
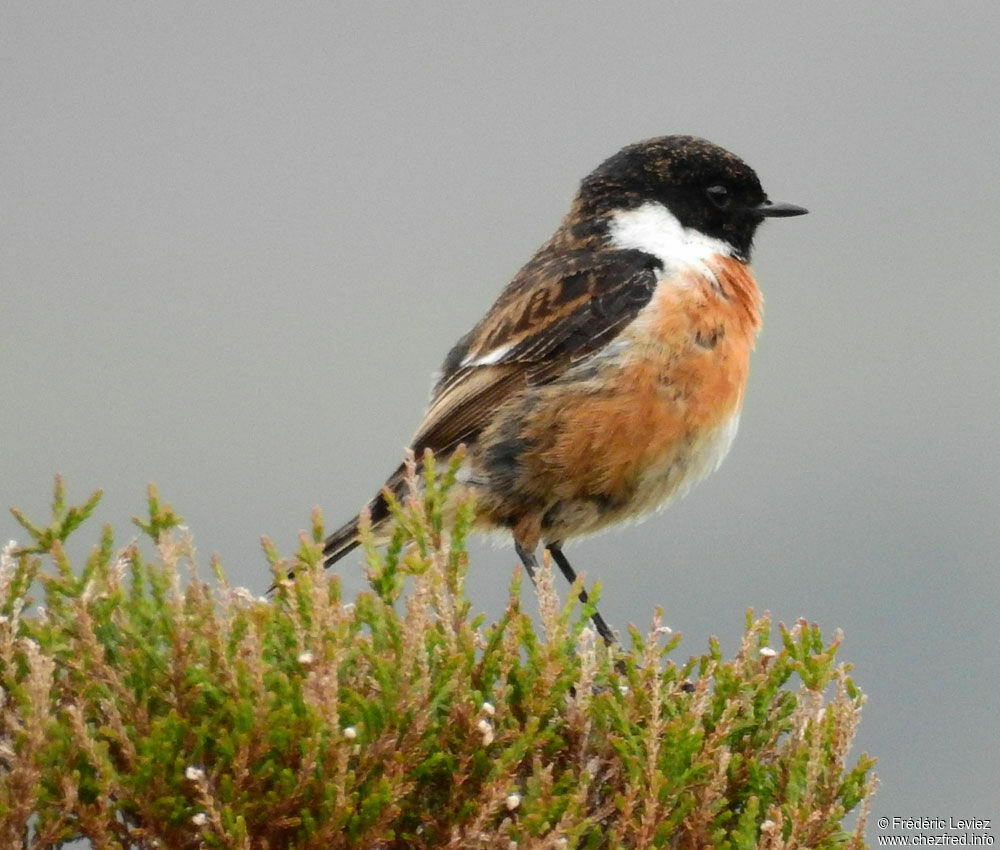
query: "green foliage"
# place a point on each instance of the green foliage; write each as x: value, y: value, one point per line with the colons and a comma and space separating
x: 144, y: 707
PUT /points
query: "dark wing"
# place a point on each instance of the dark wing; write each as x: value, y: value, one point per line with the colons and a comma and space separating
x: 556, y: 312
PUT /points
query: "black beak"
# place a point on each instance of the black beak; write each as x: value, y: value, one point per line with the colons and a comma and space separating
x: 770, y: 209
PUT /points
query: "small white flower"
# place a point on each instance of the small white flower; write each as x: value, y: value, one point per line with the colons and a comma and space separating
x: 768, y: 826
x: 7, y: 555
x: 200, y: 819
x: 241, y: 594
x: 489, y: 708
x: 486, y: 730
x: 664, y: 630
x: 623, y: 690
x: 306, y: 658
x: 767, y: 652
x: 194, y: 774
x: 350, y: 733
x: 263, y: 600
x: 513, y: 801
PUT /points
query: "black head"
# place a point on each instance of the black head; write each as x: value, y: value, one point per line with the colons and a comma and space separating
x: 706, y: 187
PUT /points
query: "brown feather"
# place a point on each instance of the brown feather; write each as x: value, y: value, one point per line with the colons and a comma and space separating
x: 554, y: 313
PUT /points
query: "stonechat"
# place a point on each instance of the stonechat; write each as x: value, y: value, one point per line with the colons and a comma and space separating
x: 607, y: 378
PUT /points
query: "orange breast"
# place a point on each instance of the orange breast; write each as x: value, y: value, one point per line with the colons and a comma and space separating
x: 695, y: 337
x: 677, y: 373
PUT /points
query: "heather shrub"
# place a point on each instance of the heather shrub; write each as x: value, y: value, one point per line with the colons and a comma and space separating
x: 143, y: 706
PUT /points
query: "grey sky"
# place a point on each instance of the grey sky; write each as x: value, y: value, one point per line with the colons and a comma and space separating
x: 238, y: 238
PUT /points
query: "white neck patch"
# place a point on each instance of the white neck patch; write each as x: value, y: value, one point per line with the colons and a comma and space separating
x: 653, y: 229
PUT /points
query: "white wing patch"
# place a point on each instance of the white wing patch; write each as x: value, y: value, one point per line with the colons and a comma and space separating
x: 491, y: 358
x: 653, y: 229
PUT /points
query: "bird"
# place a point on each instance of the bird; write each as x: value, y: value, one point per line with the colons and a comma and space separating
x: 607, y: 378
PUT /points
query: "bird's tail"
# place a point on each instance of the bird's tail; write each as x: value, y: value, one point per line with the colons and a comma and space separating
x: 345, y: 539
x: 341, y: 542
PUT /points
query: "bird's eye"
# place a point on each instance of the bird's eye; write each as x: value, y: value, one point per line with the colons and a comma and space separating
x: 719, y: 195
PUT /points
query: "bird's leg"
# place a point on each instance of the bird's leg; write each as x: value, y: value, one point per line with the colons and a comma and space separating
x: 567, y: 570
x: 527, y: 557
